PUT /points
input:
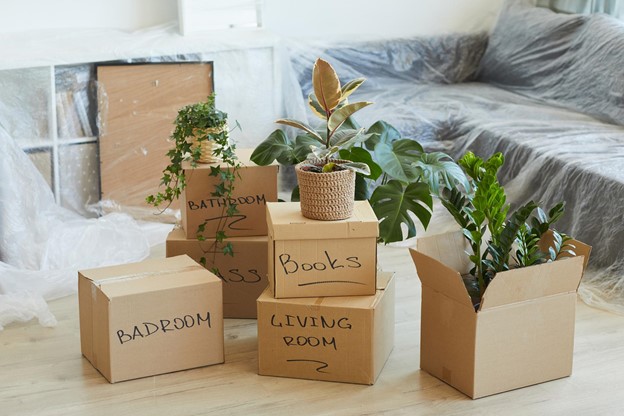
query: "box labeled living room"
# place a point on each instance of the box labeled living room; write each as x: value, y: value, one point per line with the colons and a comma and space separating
x: 346, y: 339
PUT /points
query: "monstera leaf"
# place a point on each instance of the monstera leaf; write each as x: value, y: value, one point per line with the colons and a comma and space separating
x: 438, y: 169
x: 394, y: 203
x: 381, y: 132
x: 397, y: 158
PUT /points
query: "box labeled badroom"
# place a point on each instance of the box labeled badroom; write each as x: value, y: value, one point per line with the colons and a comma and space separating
x: 522, y: 333
x: 244, y: 275
x: 310, y: 258
x: 346, y: 339
x: 149, y: 318
x: 254, y: 187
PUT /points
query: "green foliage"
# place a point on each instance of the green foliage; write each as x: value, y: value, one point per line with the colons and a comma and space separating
x: 399, y: 173
x: 483, y: 208
x: 201, y: 121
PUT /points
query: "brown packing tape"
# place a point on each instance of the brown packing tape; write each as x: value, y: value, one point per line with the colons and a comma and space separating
x: 135, y: 276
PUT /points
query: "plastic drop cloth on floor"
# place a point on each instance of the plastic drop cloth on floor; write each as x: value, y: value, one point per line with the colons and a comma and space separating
x: 520, y: 91
x: 43, y: 245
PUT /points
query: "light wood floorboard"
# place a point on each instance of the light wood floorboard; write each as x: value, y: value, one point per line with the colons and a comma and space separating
x: 43, y: 373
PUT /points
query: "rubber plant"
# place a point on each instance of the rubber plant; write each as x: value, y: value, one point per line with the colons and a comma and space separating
x: 493, y: 232
x: 194, y: 124
x: 399, y: 178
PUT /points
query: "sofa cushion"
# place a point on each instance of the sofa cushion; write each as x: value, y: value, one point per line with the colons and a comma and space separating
x: 573, y: 61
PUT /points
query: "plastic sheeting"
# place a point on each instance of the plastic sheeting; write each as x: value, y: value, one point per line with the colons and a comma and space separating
x: 553, y: 151
x: 42, y: 244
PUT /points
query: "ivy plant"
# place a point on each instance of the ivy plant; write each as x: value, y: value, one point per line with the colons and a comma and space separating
x: 201, y: 121
x: 492, y: 231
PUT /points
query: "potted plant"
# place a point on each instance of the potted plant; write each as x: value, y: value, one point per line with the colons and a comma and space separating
x: 393, y: 173
x: 499, y: 295
x: 201, y: 136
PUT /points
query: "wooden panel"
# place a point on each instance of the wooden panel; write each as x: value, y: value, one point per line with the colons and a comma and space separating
x: 137, y: 107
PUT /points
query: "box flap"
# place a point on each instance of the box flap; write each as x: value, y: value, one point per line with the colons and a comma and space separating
x: 178, y: 234
x: 287, y: 223
x: 149, y: 275
x: 440, y: 278
x: 448, y: 248
x: 534, y: 282
x: 581, y: 249
x: 384, y: 280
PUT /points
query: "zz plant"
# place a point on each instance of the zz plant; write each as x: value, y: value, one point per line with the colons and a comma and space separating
x: 394, y: 173
x: 492, y: 231
x: 194, y: 124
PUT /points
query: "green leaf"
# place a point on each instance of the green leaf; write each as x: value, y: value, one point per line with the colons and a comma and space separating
x: 381, y: 132
x: 276, y: 146
x: 303, y: 145
x: 358, y: 154
x: 437, y: 169
x: 300, y: 125
x: 326, y: 85
x: 342, y: 114
x: 394, y: 203
x: 397, y: 159
x: 350, y: 87
x: 361, y: 188
x: 294, y: 196
x: 357, y: 167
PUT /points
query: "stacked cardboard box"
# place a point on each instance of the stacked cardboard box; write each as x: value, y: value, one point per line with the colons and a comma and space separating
x: 244, y: 274
x: 327, y: 314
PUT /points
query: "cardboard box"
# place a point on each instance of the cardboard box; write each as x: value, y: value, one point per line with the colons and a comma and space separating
x: 148, y: 318
x: 255, y: 186
x: 310, y: 258
x: 244, y: 275
x: 522, y: 334
x: 346, y: 339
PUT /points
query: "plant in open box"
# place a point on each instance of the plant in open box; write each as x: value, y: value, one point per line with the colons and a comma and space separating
x: 393, y: 173
x: 498, y: 240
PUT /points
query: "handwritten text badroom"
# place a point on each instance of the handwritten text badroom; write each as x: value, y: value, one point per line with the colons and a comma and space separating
x: 146, y: 329
x: 310, y: 321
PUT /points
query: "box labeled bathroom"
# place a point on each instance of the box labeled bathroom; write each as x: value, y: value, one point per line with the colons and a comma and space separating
x: 346, y: 339
x: 244, y: 275
x: 151, y: 317
x: 311, y: 258
x: 254, y: 186
x: 522, y: 333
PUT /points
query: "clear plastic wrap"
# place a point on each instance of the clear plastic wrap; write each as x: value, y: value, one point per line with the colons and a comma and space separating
x: 532, y: 114
x: 42, y: 245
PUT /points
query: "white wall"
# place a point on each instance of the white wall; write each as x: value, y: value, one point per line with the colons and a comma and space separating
x: 374, y: 18
x: 129, y: 15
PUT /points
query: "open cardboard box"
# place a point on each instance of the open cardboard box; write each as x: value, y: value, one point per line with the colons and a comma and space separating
x: 310, y: 258
x: 244, y: 275
x: 253, y: 188
x: 346, y: 339
x: 151, y: 317
x: 523, y: 332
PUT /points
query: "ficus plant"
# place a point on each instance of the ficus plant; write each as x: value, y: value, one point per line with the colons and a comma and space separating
x: 493, y: 232
x: 394, y: 173
x: 195, y: 123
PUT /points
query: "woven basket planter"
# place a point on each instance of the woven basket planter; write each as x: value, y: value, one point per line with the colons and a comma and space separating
x: 207, y: 146
x: 326, y: 196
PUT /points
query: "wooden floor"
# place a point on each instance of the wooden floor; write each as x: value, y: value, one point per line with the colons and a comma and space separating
x: 43, y: 373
